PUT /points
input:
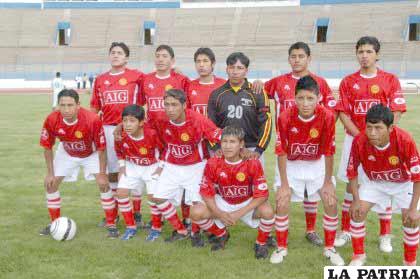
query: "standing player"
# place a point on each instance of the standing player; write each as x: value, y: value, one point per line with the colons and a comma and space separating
x: 182, y: 132
x: 359, y: 92
x: 384, y: 163
x: 83, y: 145
x: 282, y: 90
x: 234, y: 189
x: 138, y: 152
x: 236, y: 104
x: 57, y: 85
x: 112, y: 92
x: 305, y: 148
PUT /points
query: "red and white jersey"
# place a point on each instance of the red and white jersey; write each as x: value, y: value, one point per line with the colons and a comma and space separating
x: 306, y: 139
x: 153, y: 90
x: 143, y: 151
x: 358, y: 94
x: 80, y: 139
x: 113, y: 92
x: 183, y: 142
x: 234, y: 182
x: 198, y: 94
x: 282, y: 90
x: 399, y: 161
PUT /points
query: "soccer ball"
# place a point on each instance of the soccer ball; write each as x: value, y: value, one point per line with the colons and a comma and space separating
x: 63, y: 228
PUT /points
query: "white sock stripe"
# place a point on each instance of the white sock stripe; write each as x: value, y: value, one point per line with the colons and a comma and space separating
x: 311, y: 210
x: 328, y: 223
x: 348, y: 196
x: 107, y: 202
x: 267, y: 222
x: 54, y: 206
x: 410, y: 230
x: 54, y: 202
x: 123, y: 200
x: 169, y: 213
x: 107, y: 195
x: 52, y: 196
x: 106, y: 207
x: 113, y: 186
x: 281, y: 218
x: 163, y: 205
x: 125, y: 209
x: 205, y: 224
x: 415, y: 238
x: 151, y: 203
x: 357, y: 224
x: 285, y: 223
x: 411, y: 242
x: 281, y: 228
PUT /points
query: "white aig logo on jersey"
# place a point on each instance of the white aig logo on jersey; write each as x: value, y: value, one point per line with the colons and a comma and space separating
x: 77, y: 146
x: 234, y: 191
x: 156, y: 104
x: 390, y: 175
x: 304, y: 149
x: 362, y: 106
x: 116, y: 97
x: 180, y: 151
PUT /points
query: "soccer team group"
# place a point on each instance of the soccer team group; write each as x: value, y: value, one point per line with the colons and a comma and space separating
x: 200, y: 145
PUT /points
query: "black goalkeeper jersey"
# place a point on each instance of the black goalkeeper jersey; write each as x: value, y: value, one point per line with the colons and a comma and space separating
x: 244, y: 109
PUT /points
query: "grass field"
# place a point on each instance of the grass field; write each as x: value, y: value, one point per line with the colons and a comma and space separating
x: 25, y: 254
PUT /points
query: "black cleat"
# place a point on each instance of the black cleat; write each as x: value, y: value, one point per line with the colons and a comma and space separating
x: 314, y: 238
x: 271, y: 242
x: 220, y: 242
x: 113, y: 233
x: 261, y: 251
x: 45, y: 231
x: 102, y: 223
x: 139, y: 222
x: 197, y: 240
x: 176, y: 236
x: 187, y: 224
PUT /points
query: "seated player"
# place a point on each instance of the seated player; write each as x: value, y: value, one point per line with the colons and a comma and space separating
x: 384, y: 164
x: 82, y: 145
x: 138, y: 154
x: 182, y: 131
x: 305, y: 148
x: 234, y: 189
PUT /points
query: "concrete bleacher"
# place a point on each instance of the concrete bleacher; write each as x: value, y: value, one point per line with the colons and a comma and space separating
x: 263, y: 33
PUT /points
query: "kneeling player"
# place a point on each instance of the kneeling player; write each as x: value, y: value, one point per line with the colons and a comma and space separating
x: 234, y: 189
x: 384, y: 163
x: 138, y: 153
x: 305, y: 148
x: 82, y: 145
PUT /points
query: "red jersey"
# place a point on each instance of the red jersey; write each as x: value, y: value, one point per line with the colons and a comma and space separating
x: 198, y: 94
x: 143, y: 151
x: 113, y: 92
x: 282, y: 90
x: 306, y: 139
x: 234, y: 182
x: 183, y: 142
x: 397, y: 162
x: 80, y: 139
x: 358, y: 94
x: 153, y: 90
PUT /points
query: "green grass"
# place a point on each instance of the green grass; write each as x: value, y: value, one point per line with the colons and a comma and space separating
x: 24, y: 254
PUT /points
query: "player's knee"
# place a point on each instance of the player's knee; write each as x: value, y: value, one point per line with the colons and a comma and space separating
x: 197, y: 212
x: 266, y: 211
x: 282, y: 207
x: 122, y: 193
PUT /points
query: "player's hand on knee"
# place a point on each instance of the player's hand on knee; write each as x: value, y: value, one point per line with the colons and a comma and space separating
x: 102, y: 180
x: 355, y: 210
x: 49, y: 181
x: 283, y: 195
x: 226, y: 219
x: 328, y: 193
x: 412, y: 218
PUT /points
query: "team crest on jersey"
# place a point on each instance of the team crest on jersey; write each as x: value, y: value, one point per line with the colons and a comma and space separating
x: 313, y: 133
x: 262, y: 187
x: 123, y: 81
x: 168, y: 87
x: 371, y: 158
x: 240, y: 176
x: 78, y: 134
x: 393, y: 160
x: 185, y: 137
x: 143, y: 150
x: 415, y: 169
x: 61, y: 131
x: 286, y: 87
x: 374, y: 89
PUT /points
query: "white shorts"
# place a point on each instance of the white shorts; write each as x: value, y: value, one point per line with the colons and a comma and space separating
x: 344, y: 161
x: 305, y: 178
x: 55, y: 99
x: 382, y: 193
x: 68, y: 166
x: 111, y: 156
x: 248, y: 218
x: 174, y: 179
x: 138, y: 177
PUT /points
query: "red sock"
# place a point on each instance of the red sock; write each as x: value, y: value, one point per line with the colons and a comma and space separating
x: 209, y: 226
x: 108, y: 205
x: 54, y: 205
x: 385, y: 219
x: 136, y: 203
x: 156, y: 217
x: 330, y: 229
x: 282, y: 230
x: 169, y: 212
x: 127, y: 213
x: 114, y: 194
x: 310, y: 209
x: 358, y: 234
x: 411, y: 243
x: 264, y: 230
x: 195, y: 228
x: 345, y: 215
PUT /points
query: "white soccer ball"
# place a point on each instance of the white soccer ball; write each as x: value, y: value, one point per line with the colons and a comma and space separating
x: 63, y: 228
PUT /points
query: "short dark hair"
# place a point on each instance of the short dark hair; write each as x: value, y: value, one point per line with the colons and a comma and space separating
x: 234, y: 57
x: 233, y: 131
x: 169, y: 49
x: 121, y: 45
x: 378, y: 113
x: 135, y: 111
x: 300, y: 45
x: 307, y: 83
x: 205, y: 51
x: 177, y: 94
x: 369, y: 40
x: 57, y: 74
x: 68, y: 93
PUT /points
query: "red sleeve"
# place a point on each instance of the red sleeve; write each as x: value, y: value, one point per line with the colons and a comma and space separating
x: 158, y: 144
x: 95, y: 101
x: 187, y: 93
x: 141, y: 97
x: 396, y: 98
x: 354, y: 160
x: 119, y: 150
x: 140, y: 93
x: 47, y: 139
x: 259, y: 183
x: 211, y: 132
x: 343, y: 104
x: 412, y: 159
x: 185, y: 83
x: 270, y: 88
x: 99, y: 135
x: 207, y: 182
x: 328, y: 99
x: 328, y: 143
x: 281, y: 144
